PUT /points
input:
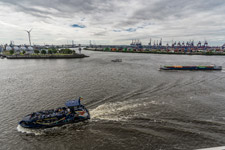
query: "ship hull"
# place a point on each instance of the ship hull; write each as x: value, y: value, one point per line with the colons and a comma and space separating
x: 191, y: 68
x: 41, y: 126
x: 39, y: 120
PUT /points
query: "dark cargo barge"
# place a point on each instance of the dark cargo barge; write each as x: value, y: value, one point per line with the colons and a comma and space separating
x: 211, y: 67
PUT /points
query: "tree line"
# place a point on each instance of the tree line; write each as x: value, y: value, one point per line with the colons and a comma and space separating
x: 48, y: 51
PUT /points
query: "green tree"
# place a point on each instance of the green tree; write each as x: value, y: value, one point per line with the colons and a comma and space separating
x: 54, y: 51
x: 66, y: 51
x: 209, y: 53
x: 107, y: 49
x: 49, y: 51
x: 11, y: 52
x: 36, y: 51
x: 43, y: 52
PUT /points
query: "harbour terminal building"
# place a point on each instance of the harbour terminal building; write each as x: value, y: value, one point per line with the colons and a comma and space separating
x: 157, y: 46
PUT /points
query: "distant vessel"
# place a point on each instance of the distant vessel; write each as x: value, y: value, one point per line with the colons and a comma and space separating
x: 73, y: 113
x: 117, y: 60
x: 211, y: 67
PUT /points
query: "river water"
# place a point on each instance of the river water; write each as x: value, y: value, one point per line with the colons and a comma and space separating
x: 132, y: 104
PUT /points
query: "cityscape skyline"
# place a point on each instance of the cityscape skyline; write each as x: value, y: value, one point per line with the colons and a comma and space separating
x: 112, y: 22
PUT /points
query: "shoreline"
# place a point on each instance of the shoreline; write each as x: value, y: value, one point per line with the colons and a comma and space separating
x: 154, y: 52
x: 46, y: 56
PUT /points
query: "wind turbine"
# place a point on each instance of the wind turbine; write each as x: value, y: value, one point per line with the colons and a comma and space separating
x: 28, y: 31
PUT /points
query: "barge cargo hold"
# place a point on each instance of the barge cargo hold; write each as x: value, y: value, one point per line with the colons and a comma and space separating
x: 211, y: 67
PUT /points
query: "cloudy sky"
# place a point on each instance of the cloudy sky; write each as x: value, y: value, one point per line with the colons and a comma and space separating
x: 112, y: 21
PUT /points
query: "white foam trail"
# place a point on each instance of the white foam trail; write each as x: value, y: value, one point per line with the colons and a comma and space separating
x: 213, y: 148
x: 113, y: 111
x: 29, y: 131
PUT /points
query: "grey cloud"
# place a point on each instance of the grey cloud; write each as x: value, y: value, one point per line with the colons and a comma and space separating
x: 99, y: 9
x: 159, y: 18
x: 148, y: 10
x: 102, y: 33
x: 65, y: 8
x: 172, y: 9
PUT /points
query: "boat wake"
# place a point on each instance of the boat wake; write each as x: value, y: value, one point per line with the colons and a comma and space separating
x: 119, y: 111
x: 30, y: 131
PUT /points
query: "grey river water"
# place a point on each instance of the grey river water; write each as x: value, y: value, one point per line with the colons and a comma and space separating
x: 132, y: 104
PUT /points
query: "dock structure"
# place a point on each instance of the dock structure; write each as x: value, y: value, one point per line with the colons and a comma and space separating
x: 156, y: 46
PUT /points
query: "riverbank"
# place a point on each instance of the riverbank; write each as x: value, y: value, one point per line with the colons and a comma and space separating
x: 158, y: 52
x: 2, y: 56
x: 49, y: 56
